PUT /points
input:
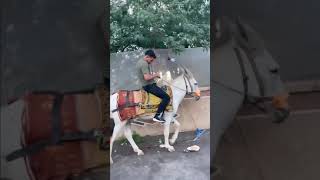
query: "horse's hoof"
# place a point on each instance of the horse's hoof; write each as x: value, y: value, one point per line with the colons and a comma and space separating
x: 140, y: 153
x: 162, y: 145
x: 170, y: 148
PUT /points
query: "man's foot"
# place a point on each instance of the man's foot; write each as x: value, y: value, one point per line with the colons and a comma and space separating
x: 158, y: 119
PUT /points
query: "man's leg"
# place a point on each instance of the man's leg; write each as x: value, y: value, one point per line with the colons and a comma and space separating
x: 154, y: 89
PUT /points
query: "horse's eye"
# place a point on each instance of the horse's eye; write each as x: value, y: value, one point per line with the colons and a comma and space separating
x: 274, y: 70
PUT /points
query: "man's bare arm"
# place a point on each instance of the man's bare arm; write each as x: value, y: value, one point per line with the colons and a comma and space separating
x: 148, y: 77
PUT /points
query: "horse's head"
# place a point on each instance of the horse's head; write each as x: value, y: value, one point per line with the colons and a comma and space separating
x: 191, y: 84
x: 273, y: 86
x: 267, y: 69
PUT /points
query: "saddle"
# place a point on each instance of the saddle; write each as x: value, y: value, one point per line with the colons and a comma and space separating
x: 133, y: 103
x: 76, y: 150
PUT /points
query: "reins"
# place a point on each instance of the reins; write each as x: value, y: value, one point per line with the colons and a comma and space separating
x: 185, y: 90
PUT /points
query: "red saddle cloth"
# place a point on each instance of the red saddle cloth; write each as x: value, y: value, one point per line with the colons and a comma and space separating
x: 54, y: 162
x: 128, y: 98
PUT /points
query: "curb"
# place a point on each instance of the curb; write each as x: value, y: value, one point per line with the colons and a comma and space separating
x: 297, y: 112
x: 303, y: 86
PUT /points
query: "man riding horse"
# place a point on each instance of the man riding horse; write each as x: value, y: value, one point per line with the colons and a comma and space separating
x: 149, y: 84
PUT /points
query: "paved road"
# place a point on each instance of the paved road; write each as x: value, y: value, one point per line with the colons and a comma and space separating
x: 159, y: 164
x: 256, y: 149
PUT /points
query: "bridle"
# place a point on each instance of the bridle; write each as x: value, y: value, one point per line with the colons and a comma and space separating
x: 186, y: 81
x: 186, y: 78
x: 250, y: 57
x: 248, y: 99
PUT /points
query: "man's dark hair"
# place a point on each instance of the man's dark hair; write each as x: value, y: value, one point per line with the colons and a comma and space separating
x: 150, y: 53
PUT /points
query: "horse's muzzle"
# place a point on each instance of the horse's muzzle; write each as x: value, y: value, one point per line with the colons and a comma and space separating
x: 281, y: 106
x: 280, y: 115
x: 197, y: 95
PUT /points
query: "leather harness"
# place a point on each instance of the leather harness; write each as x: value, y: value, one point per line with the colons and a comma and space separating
x: 56, y: 136
x: 127, y: 104
x: 245, y: 78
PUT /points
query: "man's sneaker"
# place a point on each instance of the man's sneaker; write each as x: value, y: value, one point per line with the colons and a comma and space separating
x: 158, y: 119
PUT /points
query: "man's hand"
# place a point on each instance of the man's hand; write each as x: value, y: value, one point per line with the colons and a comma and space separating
x: 157, y: 75
x: 148, y: 77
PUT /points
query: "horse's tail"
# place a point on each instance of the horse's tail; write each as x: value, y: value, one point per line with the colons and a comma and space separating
x: 113, y: 104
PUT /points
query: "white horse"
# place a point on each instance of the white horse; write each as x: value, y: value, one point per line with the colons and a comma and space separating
x: 181, y: 86
x: 243, y: 72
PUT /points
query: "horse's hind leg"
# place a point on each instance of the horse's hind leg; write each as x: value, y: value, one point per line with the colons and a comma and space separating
x: 116, y: 130
x: 176, y: 132
x: 128, y: 134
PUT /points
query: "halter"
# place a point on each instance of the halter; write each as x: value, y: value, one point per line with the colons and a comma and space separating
x: 247, y: 51
x: 186, y: 82
x: 248, y: 98
x: 250, y: 57
x: 186, y: 78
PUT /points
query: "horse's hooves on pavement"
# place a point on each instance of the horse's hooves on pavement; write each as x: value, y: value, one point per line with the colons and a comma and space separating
x: 140, y: 153
x: 162, y: 145
x: 170, y: 148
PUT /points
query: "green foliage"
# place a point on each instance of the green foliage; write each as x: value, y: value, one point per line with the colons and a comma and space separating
x: 168, y: 24
x: 136, y: 137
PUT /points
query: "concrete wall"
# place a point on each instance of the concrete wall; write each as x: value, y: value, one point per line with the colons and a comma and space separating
x: 124, y: 72
x: 50, y: 45
x: 290, y: 30
x: 88, y: 118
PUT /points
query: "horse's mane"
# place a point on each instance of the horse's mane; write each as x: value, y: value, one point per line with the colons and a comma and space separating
x: 175, y: 79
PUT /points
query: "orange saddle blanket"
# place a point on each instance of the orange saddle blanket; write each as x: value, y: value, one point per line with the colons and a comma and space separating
x: 137, y: 102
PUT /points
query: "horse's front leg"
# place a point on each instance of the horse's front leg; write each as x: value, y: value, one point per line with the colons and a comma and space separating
x: 176, y: 131
x: 166, y: 137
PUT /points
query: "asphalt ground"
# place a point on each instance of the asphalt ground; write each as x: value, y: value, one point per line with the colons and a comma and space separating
x: 158, y: 163
x: 254, y: 148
